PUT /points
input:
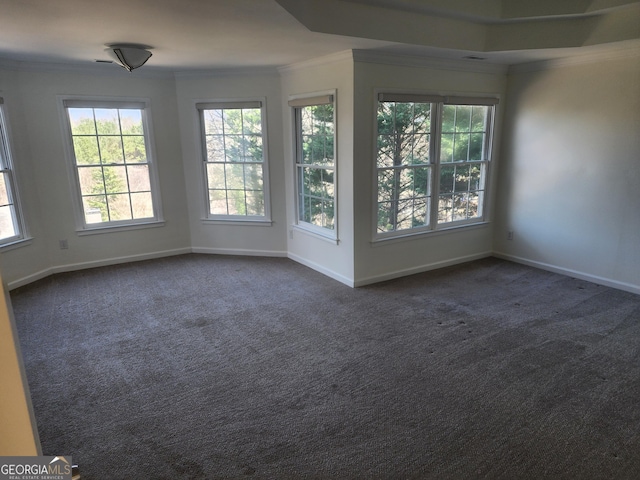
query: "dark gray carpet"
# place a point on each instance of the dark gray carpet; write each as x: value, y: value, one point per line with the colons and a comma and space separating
x: 225, y: 367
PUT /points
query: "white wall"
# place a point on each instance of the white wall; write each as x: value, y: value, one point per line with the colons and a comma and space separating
x: 393, y: 258
x: 330, y: 73
x: 37, y: 138
x: 570, y: 179
x: 229, y: 238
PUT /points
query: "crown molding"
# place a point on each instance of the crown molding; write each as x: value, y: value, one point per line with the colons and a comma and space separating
x: 618, y: 52
x: 385, y: 58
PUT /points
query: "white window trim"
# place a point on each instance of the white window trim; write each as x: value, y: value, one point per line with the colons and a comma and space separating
x: 207, y: 217
x: 434, y: 228
x: 82, y: 228
x: 22, y: 238
x: 310, y: 99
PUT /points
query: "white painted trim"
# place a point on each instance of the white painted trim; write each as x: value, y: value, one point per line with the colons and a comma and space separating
x: 93, y: 264
x: 239, y: 251
x: 321, y: 269
x: 420, y: 269
x: 607, y: 282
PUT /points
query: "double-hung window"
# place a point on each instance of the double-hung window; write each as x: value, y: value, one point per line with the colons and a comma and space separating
x: 314, y: 121
x: 235, y: 165
x: 113, y: 164
x: 11, y: 225
x: 433, y: 155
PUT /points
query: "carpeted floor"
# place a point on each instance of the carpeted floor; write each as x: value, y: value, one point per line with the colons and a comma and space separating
x: 206, y: 367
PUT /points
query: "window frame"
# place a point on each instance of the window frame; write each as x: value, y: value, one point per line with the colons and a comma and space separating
x: 297, y: 102
x: 7, y: 167
x: 144, y: 106
x: 234, y: 103
x: 437, y: 103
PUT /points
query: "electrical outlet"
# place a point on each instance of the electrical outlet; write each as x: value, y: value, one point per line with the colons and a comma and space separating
x: 510, y: 235
x: 64, y: 244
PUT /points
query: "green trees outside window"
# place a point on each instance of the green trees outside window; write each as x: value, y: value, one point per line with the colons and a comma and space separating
x: 315, y: 165
x: 432, y: 159
x: 112, y: 164
x: 234, y: 160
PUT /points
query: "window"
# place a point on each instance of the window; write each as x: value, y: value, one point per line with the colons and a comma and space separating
x: 315, y: 162
x: 113, y: 164
x: 234, y: 150
x: 433, y: 157
x: 11, y: 225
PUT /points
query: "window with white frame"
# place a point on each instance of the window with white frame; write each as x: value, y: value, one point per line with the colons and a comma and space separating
x: 314, y: 130
x: 433, y: 155
x: 113, y: 163
x: 11, y: 225
x: 235, y: 166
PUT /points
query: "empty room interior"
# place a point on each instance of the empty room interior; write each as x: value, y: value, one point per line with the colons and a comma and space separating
x: 346, y: 190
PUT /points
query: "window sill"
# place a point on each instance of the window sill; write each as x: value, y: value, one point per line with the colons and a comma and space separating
x: 402, y: 237
x: 316, y: 233
x: 220, y: 221
x: 23, y: 242
x: 119, y: 228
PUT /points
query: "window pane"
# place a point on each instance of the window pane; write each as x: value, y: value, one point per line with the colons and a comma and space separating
x: 4, y: 194
x: 215, y: 148
x: 95, y: 209
x: 476, y: 146
x: 235, y: 177
x: 81, y: 121
x: 134, y: 149
x: 218, y: 202
x: 115, y: 179
x: 142, y: 205
x: 255, y: 203
x: 232, y: 121
x: 252, y: 121
x: 315, y: 158
x: 107, y: 121
x: 213, y: 123
x: 445, y: 208
x: 86, y: 150
x: 462, y: 178
x: 478, y: 118
x: 463, y: 118
x: 119, y: 207
x: 446, y: 147
x: 113, y: 191
x: 131, y: 122
x: 111, y: 149
x: 91, y: 180
x: 138, y: 177
x: 215, y: 176
x: 7, y: 226
x: 461, y: 147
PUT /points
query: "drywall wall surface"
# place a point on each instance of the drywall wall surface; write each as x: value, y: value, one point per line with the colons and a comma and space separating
x: 232, y: 237
x: 380, y: 260
x: 39, y: 92
x: 332, y: 74
x: 30, y: 255
x: 18, y: 435
x: 569, y: 182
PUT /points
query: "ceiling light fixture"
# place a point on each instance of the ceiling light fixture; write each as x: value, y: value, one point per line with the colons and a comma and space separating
x: 129, y: 56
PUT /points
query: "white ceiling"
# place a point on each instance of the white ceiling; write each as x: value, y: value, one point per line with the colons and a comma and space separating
x: 225, y: 34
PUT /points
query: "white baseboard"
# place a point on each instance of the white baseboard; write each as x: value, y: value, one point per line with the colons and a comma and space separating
x: 239, y: 251
x: 319, y: 268
x: 419, y: 269
x: 93, y: 264
x: 607, y: 282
